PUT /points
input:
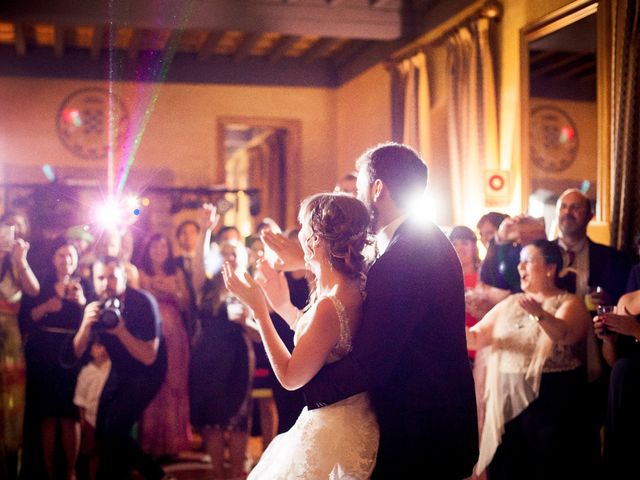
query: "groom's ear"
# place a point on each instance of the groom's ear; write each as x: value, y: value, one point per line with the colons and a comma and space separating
x: 377, y: 189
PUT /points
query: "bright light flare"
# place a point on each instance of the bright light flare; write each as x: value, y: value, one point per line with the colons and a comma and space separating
x: 116, y: 214
x: 133, y: 202
x: 423, y: 208
x: 109, y: 215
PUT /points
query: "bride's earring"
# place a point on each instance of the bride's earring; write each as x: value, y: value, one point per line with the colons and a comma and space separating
x: 311, y: 244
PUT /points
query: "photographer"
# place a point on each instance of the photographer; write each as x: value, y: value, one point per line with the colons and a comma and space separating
x: 130, y: 331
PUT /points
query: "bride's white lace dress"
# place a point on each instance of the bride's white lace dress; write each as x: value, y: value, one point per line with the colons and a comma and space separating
x: 339, y: 441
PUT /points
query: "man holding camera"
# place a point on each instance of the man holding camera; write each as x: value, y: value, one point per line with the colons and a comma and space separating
x: 130, y: 330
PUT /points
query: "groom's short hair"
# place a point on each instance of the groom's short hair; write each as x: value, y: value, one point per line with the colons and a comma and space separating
x: 400, y: 168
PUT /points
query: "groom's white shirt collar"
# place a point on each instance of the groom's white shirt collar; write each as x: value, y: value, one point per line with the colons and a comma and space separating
x: 383, y: 238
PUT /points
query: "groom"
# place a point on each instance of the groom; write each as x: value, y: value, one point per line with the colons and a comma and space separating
x: 410, y: 352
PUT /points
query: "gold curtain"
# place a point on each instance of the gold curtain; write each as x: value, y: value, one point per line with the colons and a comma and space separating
x: 473, y: 124
x: 415, y: 122
x: 625, y: 217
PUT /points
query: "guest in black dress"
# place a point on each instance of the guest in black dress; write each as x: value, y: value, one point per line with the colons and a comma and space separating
x: 290, y: 403
x: 221, y: 372
x: 49, y: 322
x: 620, y: 334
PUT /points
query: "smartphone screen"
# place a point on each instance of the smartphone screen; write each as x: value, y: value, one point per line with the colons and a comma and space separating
x: 7, y: 237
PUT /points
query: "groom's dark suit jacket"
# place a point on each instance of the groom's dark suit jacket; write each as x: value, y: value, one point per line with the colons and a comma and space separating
x: 410, y: 354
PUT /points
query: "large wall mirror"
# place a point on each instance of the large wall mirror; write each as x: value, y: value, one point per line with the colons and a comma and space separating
x: 565, y: 128
x: 262, y: 154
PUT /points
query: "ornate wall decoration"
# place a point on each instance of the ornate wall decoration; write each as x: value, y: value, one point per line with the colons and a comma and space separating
x: 89, y: 120
x: 554, y: 138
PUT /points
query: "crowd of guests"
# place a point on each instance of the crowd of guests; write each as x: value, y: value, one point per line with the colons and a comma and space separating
x: 556, y: 363
x: 80, y: 397
x: 109, y: 366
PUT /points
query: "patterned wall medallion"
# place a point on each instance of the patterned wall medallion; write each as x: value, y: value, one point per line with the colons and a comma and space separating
x: 553, y: 138
x: 83, y: 122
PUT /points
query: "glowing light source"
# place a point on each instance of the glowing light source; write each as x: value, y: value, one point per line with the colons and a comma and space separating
x: 566, y: 134
x: 72, y: 117
x: 423, y: 208
x: 108, y: 215
x: 117, y: 214
x: 49, y: 173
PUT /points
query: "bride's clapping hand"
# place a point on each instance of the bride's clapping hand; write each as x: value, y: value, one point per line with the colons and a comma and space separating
x: 248, y: 291
x: 273, y: 283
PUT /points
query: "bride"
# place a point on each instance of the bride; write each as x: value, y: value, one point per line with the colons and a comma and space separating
x: 339, y: 441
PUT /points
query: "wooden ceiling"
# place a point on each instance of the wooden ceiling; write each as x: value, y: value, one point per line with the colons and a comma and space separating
x: 563, y: 64
x: 315, y: 41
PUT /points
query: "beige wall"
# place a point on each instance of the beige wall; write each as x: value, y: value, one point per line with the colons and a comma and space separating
x: 180, y: 135
x: 363, y: 115
x: 337, y: 125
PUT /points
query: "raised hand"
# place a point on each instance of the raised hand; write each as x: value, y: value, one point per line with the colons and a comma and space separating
x: 208, y: 216
x: 289, y: 251
x: 19, y: 251
x: 247, y: 291
x: 274, y: 284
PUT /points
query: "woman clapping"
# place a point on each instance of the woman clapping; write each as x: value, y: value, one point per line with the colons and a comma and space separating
x: 534, y: 426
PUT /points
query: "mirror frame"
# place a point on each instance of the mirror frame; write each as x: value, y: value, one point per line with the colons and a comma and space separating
x: 292, y: 166
x: 546, y: 25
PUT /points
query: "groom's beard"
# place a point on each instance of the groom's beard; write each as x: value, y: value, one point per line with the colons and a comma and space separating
x: 373, y: 220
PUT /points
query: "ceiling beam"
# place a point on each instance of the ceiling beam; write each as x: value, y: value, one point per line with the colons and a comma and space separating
x: 579, y: 70
x: 58, y: 41
x: 134, y: 44
x: 381, y: 3
x: 97, y: 41
x: 320, y: 49
x: 282, y: 47
x: 173, y: 41
x: 350, y: 50
x: 21, y: 40
x: 260, y: 16
x: 247, y: 45
x: 556, y: 65
x: 209, y: 45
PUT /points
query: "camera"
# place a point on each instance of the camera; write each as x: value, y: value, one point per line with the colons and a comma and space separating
x: 109, y: 314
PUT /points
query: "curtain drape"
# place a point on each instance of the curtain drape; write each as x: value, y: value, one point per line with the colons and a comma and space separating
x: 472, y: 124
x: 625, y: 216
x: 473, y: 120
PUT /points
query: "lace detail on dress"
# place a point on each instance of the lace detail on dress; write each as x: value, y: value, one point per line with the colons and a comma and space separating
x: 517, y: 335
x: 343, y: 346
x: 335, y: 442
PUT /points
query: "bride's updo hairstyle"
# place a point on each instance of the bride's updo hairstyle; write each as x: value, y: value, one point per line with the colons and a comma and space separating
x: 341, y: 221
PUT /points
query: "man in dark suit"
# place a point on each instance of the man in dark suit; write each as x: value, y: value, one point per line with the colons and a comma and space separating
x: 597, y: 265
x: 410, y: 351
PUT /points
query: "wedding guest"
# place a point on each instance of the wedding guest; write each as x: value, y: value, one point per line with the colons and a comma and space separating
x: 49, y: 321
x: 464, y: 242
x: 89, y: 387
x: 620, y: 334
x: 221, y: 370
x: 164, y: 427
x: 535, y: 420
x: 488, y: 226
x: 16, y: 279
